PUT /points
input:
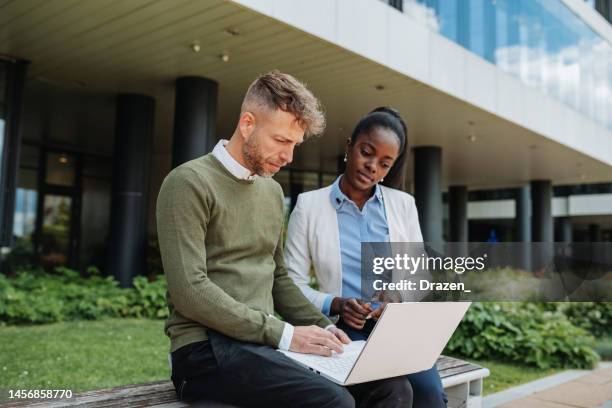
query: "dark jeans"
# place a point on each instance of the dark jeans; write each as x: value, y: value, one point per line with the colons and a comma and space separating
x: 426, y: 385
x: 251, y: 375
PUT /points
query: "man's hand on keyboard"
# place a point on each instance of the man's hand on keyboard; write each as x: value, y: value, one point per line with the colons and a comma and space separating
x: 340, y: 334
x: 315, y: 340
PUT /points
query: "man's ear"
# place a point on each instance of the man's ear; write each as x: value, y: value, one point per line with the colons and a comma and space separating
x: 246, y: 124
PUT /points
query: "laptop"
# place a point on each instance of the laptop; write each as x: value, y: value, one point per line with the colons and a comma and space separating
x: 408, y: 338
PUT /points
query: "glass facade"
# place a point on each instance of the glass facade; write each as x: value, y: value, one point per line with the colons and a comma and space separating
x: 541, y: 42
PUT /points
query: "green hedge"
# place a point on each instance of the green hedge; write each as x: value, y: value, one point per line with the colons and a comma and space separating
x: 544, y: 335
x: 523, y: 333
x: 35, y: 296
x: 595, y: 317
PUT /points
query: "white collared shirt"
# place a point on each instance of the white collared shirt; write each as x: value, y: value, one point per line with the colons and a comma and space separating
x: 231, y: 164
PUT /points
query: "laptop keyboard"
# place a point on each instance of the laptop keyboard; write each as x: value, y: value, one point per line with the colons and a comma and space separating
x: 337, y: 364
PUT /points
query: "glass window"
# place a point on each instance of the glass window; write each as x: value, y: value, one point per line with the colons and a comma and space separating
x: 24, y: 221
x: 55, y: 237
x: 541, y: 42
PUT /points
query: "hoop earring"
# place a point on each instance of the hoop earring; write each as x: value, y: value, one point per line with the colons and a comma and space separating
x: 345, y: 155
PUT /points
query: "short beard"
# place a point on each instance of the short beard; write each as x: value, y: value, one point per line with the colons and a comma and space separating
x: 253, y: 157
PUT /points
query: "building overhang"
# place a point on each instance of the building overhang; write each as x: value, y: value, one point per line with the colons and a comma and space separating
x: 494, y: 131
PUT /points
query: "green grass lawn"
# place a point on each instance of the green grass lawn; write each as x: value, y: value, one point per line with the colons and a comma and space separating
x: 89, y: 355
x: 505, y: 375
x: 83, y: 355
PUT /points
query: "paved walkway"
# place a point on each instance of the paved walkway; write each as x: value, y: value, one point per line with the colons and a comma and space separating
x: 574, y: 389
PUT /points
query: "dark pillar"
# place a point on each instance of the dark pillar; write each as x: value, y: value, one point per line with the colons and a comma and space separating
x: 565, y: 229
x: 541, y: 211
x: 523, y: 227
x: 458, y: 219
x: 195, y: 115
x: 542, y: 226
x: 523, y: 220
x: 131, y: 164
x: 12, y: 76
x: 594, y: 233
x: 428, y: 191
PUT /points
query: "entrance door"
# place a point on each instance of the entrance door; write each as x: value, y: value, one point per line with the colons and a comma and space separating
x: 57, y: 226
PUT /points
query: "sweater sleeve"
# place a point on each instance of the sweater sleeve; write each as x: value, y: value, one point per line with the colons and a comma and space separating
x: 182, y: 217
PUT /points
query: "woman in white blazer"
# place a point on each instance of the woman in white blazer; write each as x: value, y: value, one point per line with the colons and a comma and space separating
x: 327, y: 226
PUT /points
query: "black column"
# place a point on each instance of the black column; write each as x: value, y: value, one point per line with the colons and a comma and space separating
x: 458, y: 218
x: 542, y: 226
x: 594, y: 233
x: 13, y: 74
x: 523, y: 220
x: 523, y: 226
x: 195, y: 115
x: 131, y: 164
x: 428, y: 191
x: 541, y: 211
x: 565, y: 229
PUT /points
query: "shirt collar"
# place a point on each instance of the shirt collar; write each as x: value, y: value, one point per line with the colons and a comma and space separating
x: 226, y: 159
x: 338, y: 197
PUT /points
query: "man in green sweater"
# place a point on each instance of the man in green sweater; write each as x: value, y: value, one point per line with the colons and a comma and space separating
x: 219, y: 222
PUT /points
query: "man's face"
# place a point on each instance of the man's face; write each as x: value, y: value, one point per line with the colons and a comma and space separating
x: 269, y: 144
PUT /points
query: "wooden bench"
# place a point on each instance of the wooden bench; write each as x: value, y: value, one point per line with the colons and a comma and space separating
x: 462, y: 381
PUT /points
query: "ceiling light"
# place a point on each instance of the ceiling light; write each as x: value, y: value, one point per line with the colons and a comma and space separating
x: 195, y: 47
x: 471, y: 135
x: 225, y: 56
x: 63, y: 159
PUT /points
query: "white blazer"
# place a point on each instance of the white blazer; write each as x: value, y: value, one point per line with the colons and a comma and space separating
x: 313, y: 239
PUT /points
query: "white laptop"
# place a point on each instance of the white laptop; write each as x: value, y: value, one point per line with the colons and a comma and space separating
x: 407, y: 338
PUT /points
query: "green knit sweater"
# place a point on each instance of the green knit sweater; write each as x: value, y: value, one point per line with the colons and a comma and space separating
x: 221, y: 244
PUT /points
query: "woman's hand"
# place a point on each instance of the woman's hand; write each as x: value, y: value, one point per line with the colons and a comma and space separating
x: 352, y: 311
x: 376, y: 313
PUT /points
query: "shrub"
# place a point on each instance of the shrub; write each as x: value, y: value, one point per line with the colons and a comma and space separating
x: 594, y: 317
x: 522, y: 333
x: 35, y: 296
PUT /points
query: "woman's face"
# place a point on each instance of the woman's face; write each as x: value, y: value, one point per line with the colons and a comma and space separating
x: 370, y: 158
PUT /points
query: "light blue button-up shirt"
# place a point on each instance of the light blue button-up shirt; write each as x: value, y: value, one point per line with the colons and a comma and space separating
x: 355, y: 227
